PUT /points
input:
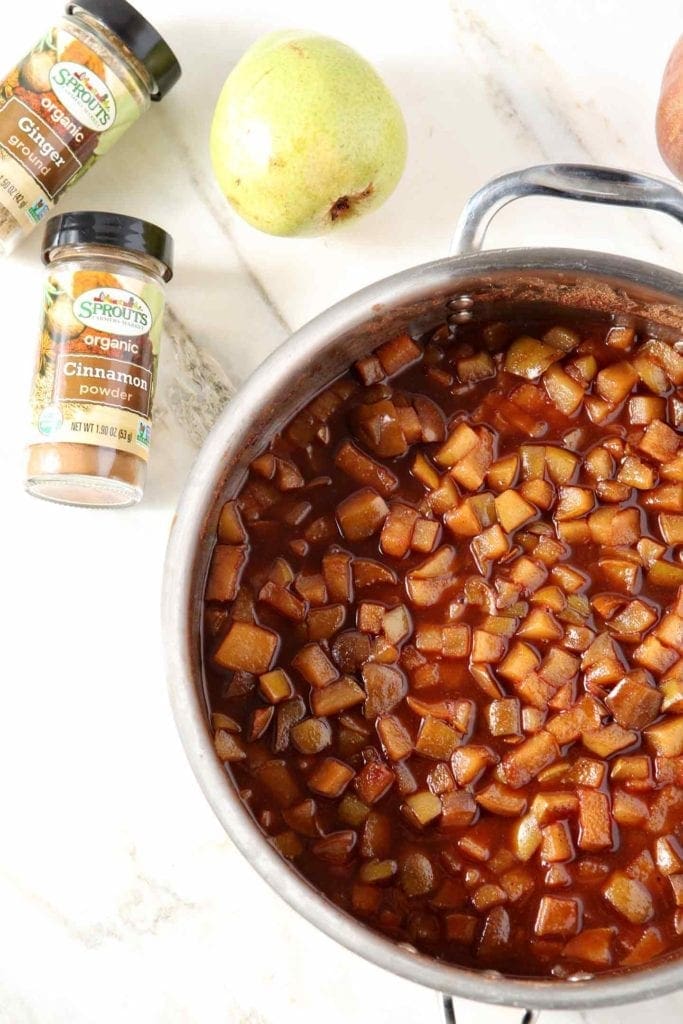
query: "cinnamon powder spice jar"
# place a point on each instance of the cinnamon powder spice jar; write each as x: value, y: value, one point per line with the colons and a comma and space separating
x: 69, y: 100
x: 91, y: 399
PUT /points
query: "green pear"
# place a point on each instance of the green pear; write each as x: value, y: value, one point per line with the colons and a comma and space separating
x: 305, y: 135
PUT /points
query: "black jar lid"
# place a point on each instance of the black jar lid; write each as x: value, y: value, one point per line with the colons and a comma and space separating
x: 86, y: 227
x: 141, y: 38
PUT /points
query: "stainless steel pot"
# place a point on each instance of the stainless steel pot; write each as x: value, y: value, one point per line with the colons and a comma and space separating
x: 459, y: 288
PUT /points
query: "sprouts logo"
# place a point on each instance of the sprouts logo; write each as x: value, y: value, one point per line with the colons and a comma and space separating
x: 114, y: 311
x: 84, y: 95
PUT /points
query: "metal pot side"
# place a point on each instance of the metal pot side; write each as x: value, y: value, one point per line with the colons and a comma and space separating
x: 457, y: 287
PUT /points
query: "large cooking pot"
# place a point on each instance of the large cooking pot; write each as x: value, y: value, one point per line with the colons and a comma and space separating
x: 459, y: 288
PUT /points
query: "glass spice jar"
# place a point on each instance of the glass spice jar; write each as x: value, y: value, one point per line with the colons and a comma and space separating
x: 70, y: 99
x: 91, y: 399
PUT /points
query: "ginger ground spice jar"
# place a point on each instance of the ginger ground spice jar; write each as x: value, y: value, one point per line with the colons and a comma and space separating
x: 91, y: 399
x: 69, y: 100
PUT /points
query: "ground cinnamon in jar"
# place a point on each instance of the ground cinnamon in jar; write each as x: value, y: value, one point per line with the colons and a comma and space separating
x: 91, y: 400
x: 69, y: 100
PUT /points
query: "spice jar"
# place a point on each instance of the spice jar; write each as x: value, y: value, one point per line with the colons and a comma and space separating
x: 88, y: 79
x: 91, y: 399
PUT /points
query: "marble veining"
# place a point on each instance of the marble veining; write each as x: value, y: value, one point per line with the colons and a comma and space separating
x: 198, y: 388
x: 121, y: 899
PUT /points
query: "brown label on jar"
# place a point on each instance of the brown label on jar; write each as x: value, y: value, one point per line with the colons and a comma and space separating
x: 94, y: 381
x: 61, y: 109
x: 103, y: 381
x: 26, y: 137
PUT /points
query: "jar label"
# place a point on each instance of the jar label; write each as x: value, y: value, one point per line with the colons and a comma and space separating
x: 94, y: 381
x: 113, y: 309
x: 61, y: 108
x: 40, y: 150
x: 84, y: 95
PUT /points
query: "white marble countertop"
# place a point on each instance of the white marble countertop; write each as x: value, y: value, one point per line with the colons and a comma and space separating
x: 120, y: 897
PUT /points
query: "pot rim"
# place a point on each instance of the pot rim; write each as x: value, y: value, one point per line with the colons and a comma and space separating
x: 204, y: 485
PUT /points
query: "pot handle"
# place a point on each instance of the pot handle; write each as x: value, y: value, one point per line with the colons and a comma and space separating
x: 563, y: 181
x: 449, y: 1015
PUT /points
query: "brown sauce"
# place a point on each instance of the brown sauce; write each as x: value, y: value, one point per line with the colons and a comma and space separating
x: 494, y: 772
